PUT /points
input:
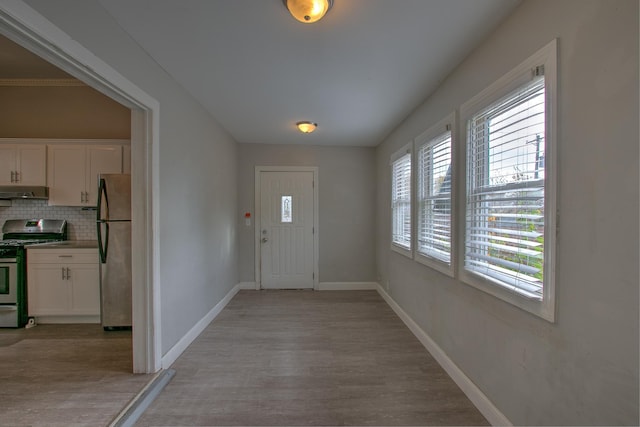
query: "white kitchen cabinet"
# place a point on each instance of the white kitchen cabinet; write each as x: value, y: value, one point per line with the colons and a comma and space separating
x: 63, y: 285
x: 23, y: 164
x: 101, y: 159
x: 73, y: 172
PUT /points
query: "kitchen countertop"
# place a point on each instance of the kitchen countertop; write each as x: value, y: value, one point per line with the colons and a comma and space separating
x: 67, y: 244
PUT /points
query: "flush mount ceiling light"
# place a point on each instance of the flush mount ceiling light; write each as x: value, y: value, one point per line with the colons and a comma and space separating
x: 306, y: 127
x: 308, y: 11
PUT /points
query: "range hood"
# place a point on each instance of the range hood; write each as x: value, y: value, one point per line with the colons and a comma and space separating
x: 20, y: 192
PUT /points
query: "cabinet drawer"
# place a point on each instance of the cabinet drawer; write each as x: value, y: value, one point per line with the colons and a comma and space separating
x: 66, y: 257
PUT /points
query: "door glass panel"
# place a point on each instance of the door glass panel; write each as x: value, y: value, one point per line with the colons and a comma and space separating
x: 4, y: 280
x: 286, y: 209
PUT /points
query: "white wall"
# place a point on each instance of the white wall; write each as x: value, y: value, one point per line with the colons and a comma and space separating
x: 346, y: 178
x: 584, y: 368
x: 197, y: 215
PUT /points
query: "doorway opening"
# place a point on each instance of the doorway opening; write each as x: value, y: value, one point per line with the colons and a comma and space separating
x: 30, y: 30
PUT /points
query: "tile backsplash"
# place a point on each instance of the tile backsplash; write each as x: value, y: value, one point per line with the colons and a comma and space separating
x: 81, y: 224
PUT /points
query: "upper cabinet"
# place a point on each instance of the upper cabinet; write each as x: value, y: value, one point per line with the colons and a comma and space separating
x: 23, y: 164
x: 73, y: 172
x: 69, y: 167
x: 101, y: 159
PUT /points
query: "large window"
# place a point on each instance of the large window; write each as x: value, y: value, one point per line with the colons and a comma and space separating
x: 509, y: 227
x: 505, y: 200
x: 401, y: 201
x: 434, y: 172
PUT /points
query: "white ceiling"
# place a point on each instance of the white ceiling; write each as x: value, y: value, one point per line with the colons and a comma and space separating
x: 358, y: 72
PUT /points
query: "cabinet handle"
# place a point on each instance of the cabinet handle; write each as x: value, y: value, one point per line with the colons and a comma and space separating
x: 68, y: 274
x: 65, y: 256
x: 17, y: 176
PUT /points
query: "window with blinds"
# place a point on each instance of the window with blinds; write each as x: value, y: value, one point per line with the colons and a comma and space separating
x: 434, y: 198
x: 505, y: 206
x: 401, y: 201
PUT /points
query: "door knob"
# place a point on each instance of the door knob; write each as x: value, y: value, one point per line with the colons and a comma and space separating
x: 265, y: 240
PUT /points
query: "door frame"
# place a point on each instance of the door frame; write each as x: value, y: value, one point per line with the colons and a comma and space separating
x: 26, y: 27
x: 258, y: 225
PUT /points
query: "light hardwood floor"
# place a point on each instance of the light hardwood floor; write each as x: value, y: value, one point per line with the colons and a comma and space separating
x: 65, y: 375
x: 309, y: 358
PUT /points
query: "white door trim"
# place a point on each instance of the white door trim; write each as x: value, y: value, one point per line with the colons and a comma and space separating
x: 258, y: 226
x: 25, y: 26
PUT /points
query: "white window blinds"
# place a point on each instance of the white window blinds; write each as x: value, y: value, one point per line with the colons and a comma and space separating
x: 401, y: 201
x: 504, y: 239
x: 434, y: 198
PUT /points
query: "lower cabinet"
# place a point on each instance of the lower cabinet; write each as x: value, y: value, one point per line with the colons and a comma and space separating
x: 63, y: 286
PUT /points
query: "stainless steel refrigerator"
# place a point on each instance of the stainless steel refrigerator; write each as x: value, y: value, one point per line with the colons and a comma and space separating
x: 114, y: 246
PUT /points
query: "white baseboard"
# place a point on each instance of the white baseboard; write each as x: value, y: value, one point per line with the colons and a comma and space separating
x: 477, y: 397
x: 175, y: 351
x: 347, y: 286
x: 247, y: 285
x: 327, y: 286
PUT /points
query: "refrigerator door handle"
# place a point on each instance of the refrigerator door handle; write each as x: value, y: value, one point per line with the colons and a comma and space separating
x: 103, y: 245
x: 103, y: 248
x: 102, y: 190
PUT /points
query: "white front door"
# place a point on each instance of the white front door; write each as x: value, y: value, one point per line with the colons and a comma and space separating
x: 286, y: 230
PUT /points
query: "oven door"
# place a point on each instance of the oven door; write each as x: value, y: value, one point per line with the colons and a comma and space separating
x: 8, y: 281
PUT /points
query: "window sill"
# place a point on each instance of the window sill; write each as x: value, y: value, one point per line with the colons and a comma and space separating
x: 435, y: 264
x: 544, y: 308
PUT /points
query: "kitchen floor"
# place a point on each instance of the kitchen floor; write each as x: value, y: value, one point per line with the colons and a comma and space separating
x: 65, y: 375
x: 309, y: 358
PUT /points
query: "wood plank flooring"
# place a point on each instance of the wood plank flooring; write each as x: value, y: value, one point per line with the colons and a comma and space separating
x: 309, y: 358
x: 65, y: 375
